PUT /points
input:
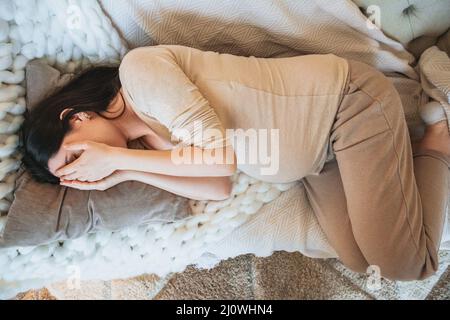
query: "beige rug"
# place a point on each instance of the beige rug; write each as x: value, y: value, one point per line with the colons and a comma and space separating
x: 281, y: 276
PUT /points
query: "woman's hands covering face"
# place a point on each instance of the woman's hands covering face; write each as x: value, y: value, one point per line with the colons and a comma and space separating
x: 101, y: 185
x: 96, y: 162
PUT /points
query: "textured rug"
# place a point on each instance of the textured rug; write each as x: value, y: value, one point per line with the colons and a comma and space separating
x: 280, y: 276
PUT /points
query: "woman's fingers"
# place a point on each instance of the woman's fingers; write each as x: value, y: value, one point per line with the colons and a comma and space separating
x: 79, y: 177
x: 80, y: 185
x: 72, y: 176
x: 77, y: 146
x: 70, y: 168
x: 74, y: 184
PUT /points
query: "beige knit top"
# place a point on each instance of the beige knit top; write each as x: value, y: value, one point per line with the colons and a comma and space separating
x: 181, y: 92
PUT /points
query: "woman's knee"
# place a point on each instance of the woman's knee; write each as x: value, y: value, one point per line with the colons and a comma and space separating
x: 393, y: 268
x: 392, y: 262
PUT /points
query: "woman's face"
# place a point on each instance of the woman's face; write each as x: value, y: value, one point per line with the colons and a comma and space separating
x: 86, y: 126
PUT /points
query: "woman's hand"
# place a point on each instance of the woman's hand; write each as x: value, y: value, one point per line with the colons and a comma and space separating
x: 97, y: 161
x: 101, y: 185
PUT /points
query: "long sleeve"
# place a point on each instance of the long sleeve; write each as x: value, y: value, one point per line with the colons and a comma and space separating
x: 159, y: 88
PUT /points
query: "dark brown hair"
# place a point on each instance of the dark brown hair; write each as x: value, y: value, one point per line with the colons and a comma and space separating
x: 43, y: 131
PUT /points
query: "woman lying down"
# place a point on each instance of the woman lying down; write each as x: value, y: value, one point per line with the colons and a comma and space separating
x: 337, y: 124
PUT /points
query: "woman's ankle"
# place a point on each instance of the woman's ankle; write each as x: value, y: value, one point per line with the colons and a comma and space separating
x: 439, y: 127
x: 436, y: 138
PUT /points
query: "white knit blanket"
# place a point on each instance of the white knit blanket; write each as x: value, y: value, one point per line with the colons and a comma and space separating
x: 264, y: 28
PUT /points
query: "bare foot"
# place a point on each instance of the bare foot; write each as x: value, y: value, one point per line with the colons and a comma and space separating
x: 437, y: 138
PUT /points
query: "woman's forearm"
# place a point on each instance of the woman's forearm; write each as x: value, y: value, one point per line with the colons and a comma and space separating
x: 181, y: 162
x: 197, y: 188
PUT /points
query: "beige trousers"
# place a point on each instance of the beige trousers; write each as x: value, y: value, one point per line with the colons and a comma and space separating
x: 378, y: 203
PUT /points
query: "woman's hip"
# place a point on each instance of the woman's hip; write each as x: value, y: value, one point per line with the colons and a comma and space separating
x: 370, y: 105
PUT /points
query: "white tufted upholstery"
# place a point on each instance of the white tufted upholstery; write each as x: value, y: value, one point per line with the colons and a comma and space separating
x: 405, y: 20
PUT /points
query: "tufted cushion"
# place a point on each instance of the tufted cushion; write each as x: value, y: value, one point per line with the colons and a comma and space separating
x: 405, y: 20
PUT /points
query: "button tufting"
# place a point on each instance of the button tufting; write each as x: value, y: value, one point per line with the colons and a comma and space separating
x: 410, y: 10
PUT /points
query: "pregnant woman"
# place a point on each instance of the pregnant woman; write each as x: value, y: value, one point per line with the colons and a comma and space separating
x: 339, y: 125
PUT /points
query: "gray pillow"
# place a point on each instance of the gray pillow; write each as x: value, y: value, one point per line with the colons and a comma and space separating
x: 43, y: 213
x: 42, y: 80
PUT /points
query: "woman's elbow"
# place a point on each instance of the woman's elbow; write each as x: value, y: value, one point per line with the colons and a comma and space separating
x: 222, y: 189
x: 225, y: 170
x: 231, y: 169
